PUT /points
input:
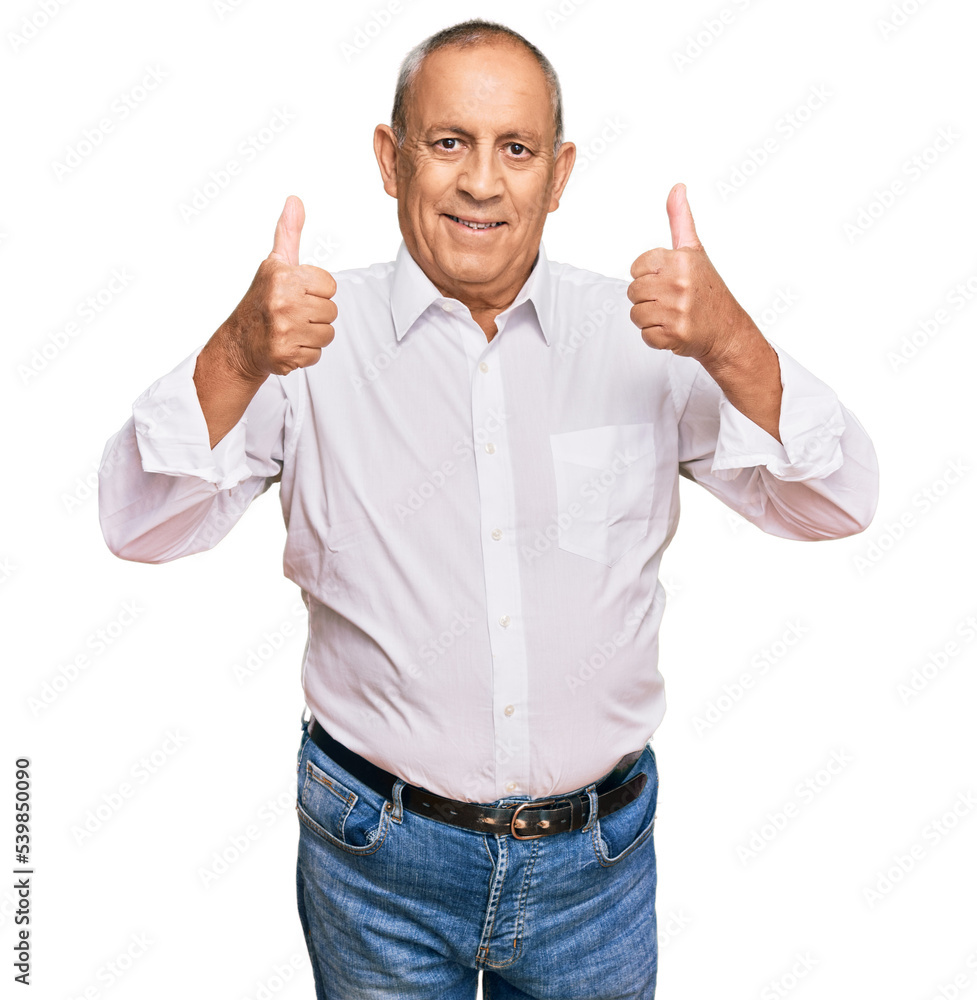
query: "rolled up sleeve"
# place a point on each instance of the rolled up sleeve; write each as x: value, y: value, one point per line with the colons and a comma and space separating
x: 172, y: 436
x: 821, y: 482
x: 812, y: 422
x: 163, y: 492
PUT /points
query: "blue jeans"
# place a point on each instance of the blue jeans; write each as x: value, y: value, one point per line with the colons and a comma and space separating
x: 398, y: 905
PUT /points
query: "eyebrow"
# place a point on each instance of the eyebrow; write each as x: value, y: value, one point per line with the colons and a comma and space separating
x: 527, y: 133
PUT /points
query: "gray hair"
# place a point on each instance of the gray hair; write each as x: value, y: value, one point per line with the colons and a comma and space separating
x: 464, y: 34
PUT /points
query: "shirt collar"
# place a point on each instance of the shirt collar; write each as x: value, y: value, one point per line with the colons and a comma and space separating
x: 412, y: 293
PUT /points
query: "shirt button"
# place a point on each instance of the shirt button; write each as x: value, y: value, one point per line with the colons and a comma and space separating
x: 490, y: 448
x: 496, y: 534
x: 509, y: 709
x: 505, y: 621
x: 447, y: 307
x: 483, y: 367
x: 511, y: 787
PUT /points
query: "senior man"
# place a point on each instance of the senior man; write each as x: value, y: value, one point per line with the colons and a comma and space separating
x: 479, y: 479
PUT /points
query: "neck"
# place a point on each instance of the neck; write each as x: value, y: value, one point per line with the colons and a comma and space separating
x: 483, y: 312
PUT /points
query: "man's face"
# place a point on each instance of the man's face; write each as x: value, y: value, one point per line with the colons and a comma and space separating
x: 479, y: 148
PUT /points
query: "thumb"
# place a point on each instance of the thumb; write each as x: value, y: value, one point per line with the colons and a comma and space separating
x: 289, y: 230
x: 680, y: 219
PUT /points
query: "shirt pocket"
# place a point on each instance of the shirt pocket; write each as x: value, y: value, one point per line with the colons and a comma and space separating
x: 348, y: 534
x: 605, y: 485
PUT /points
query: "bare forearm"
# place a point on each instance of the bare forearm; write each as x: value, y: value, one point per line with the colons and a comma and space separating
x: 750, y: 379
x: 223, y: 389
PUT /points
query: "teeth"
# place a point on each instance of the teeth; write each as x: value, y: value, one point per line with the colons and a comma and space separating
x: 475, y: 225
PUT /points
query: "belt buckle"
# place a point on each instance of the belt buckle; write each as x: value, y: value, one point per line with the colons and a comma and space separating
x: 519, y: 809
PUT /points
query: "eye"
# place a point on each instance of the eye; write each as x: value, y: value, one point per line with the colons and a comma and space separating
x: 518, y: 149
x: 447, y: 139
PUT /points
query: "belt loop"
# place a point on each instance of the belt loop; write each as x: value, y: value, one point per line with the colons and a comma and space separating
x: 396, y: 797
x: 591, y: 791
x: 576, y: 811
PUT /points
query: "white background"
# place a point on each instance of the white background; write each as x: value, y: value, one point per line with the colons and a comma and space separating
x: 872, y: 609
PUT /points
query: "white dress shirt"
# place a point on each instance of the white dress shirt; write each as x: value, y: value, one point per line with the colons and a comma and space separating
x: 477, y: 526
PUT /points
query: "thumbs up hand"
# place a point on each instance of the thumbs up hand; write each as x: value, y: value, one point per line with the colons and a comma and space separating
x: 680, y: 302
x: 286, y: 316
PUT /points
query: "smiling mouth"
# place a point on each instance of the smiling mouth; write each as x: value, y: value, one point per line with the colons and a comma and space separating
x: 475, y: 225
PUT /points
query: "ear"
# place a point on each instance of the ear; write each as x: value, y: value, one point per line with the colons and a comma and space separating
x: 562, y: 166
x: 385, y: 147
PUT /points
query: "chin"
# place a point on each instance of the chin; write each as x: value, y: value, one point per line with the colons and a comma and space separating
x: 477, y: 267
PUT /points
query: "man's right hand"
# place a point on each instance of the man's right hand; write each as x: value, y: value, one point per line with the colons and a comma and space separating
x: 286, y: 317
x: 282, y: 323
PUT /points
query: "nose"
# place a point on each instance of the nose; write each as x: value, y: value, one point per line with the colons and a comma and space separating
x: 481, y: 173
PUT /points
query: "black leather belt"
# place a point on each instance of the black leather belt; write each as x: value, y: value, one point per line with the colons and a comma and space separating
x: 524, y: 820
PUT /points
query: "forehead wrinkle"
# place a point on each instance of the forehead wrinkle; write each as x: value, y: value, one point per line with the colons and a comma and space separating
x: 487, y: 90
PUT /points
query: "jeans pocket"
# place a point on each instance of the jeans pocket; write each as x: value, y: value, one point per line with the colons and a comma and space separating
x: 349, y: 820
x: 605, y: 484
x: 621, y: 833
x: 302, y: 741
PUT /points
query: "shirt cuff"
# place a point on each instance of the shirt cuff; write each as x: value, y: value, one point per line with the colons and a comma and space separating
x: 172, y: 435
x: 811, y: 424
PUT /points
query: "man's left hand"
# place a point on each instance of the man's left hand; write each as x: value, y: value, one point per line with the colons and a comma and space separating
x: 682, y: 305
x: 680, y: 302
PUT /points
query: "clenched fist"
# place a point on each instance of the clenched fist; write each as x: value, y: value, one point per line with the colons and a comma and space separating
x: 282, y: 323
x: 680, y: 302
x: 286, y: 316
